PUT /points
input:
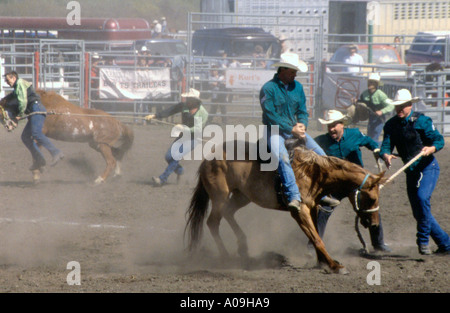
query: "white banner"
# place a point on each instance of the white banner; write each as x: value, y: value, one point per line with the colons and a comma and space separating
x: 116, y: 83
x: 247, y: 79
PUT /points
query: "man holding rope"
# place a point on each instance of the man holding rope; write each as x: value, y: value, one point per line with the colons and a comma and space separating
x: 378, y: 104
x: 413, y: 133
x: 345, y: 143
x: 190, y: 110
x: 29, y: 103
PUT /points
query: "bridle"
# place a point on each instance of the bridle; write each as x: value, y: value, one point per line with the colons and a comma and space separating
x: 356, y: 208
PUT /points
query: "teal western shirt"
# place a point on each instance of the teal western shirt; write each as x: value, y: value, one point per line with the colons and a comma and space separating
x: 348, y: 148
x: 283, y: 105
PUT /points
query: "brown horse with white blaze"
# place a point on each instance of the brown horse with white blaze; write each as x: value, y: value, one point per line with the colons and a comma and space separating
x: 66, y: 121
x: 232, y: 184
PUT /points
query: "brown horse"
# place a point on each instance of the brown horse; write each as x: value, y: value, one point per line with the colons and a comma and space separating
x: 68, y: 122
x: 230, y: 185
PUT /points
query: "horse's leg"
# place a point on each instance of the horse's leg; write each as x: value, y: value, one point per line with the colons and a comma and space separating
x: 106, y: 152
x: 304, y: 220
x: 117, y: 171
x: 218, y: 201
x: 237, y: 201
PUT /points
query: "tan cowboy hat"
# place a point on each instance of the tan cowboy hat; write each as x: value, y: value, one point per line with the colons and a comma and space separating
x: 402, y: 96
x: 292, y: 61
x: 333, y: 116
x: 192, y: 93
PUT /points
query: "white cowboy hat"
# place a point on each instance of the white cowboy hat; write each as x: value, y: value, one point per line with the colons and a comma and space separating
x: 292, y: 61
x: 375, y: 77
x: 333, y: 116
x: 192, y: 93
x: 402, y: 96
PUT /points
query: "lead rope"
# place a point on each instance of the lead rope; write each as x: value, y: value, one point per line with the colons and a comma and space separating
x: 358, y: 232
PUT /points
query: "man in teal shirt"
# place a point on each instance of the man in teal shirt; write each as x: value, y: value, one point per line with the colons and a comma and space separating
x: 411, y: 133
x: 345, y: 143
x: 283, y: 103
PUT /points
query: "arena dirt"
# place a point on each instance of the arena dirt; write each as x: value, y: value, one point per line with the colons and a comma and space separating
x: 127, y: 236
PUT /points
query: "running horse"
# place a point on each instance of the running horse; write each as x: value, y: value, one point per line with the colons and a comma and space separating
x: 232, y: 184
x: 68, y: 122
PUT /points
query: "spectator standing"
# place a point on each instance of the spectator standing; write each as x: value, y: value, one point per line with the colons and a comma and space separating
x: 218, y: 95
x: 354, y: 58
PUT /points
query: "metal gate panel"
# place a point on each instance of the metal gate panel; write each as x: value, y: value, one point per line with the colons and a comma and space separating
x: 61, y: 68
x: 305, y: 29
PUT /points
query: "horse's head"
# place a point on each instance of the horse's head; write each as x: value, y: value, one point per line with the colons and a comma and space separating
x: 365, y: 199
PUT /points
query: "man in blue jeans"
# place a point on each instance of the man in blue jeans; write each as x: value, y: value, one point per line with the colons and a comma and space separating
x: 345, y: 143
x: 27, y: 101
x: 411, y: 133
x: 193, y: 118
x: 283, y: 103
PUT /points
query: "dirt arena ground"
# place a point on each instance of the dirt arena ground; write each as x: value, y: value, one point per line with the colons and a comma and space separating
x: 127, y: 236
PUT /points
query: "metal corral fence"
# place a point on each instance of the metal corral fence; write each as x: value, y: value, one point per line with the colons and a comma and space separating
x: 238, y: 95
x: 110, y: 76
x: 339, y: 86
x: 105, y: 75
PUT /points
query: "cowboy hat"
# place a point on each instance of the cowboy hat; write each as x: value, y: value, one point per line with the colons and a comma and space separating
x: 333, y: 116
x: 192, y: 93
x: 292, y: 61
x: 375, y: 77
x: 403, y: 96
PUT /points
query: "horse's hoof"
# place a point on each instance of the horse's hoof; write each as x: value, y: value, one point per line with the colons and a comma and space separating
x: 98, y: 181
x: 343, y: 271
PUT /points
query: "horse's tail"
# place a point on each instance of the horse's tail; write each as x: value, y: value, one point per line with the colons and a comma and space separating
x: 196, y: 214
x: 126, y: 142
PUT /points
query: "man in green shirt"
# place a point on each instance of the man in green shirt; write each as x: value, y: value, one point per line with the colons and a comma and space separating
x: 379, y: 105
x: 27, y: 104
x: 191, y: 110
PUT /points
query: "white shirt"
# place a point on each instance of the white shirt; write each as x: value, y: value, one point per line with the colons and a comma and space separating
x: 354, y: 59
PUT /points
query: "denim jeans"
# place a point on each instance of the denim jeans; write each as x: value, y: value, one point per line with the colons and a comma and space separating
x: 279, y: 151
x: 420, y: 186
x: 375, y: 127
x: 173, y: 159
x: 32, y: 135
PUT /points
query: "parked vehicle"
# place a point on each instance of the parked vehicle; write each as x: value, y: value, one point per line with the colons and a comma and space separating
x: 250, y: 46
x: 163, y: 46
x: 239, y: 42
x: 381, y: 55
x: 429, y: 47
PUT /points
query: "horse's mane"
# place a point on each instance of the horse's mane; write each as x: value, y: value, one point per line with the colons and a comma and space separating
x: 309, y: 162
